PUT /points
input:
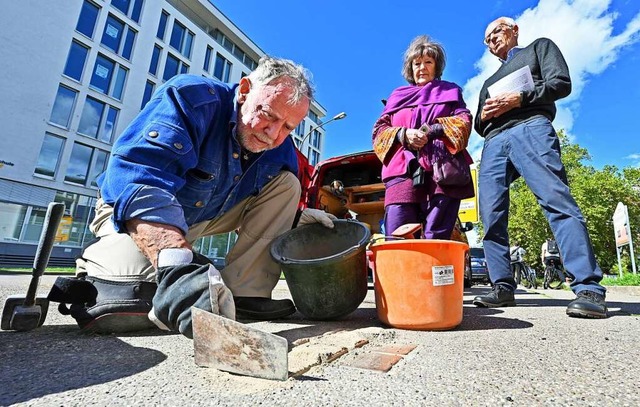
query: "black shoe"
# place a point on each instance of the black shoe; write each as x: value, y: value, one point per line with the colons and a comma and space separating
x: 588, y: 304
x: 262, y: 309
x: 500, y: 296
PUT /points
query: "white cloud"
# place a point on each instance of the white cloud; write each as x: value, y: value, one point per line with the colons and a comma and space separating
x: 583, y: 29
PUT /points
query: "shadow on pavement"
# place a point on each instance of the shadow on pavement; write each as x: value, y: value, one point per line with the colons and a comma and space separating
x: 55, y: 359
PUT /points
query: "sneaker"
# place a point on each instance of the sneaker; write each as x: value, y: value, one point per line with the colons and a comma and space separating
x: 588, y: 304
x: 500, y: 296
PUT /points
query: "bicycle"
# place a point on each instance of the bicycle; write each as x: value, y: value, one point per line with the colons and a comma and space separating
x: 554, y: 273
x: 524, y: 274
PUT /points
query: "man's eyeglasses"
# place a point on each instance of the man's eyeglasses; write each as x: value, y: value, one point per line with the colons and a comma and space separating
x: 498, y: 30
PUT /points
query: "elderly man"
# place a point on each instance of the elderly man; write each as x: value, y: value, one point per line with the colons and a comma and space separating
x: 201, y: 158
x: 520, y: 141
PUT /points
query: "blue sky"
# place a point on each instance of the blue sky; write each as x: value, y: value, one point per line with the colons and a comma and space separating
x: 354, y: 51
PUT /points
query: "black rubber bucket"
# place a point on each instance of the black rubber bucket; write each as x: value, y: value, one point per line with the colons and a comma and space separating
x: 325, y: 269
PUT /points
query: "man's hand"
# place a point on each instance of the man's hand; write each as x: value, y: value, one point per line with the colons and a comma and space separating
x: 415, y: 138
x: 496, y: 106
x: 316, y: 216
x: 151, y: 237
x: 183, y: 279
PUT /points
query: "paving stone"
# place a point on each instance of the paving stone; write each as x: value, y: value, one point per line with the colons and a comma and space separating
x: 395, y: 349
x: 326, y: 348
x: 380, y: 362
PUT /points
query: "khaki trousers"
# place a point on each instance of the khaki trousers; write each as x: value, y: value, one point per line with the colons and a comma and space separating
x: 249, y: 272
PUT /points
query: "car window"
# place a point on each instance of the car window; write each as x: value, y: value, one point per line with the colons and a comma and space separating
x: 477, y: 252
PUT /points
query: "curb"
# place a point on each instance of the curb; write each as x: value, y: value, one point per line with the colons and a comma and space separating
x: 623, y: 290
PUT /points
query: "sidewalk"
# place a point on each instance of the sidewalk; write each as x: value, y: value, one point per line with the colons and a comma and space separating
x: 532, y: 354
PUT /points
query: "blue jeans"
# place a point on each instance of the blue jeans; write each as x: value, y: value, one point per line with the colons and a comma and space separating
x: 532, y: 149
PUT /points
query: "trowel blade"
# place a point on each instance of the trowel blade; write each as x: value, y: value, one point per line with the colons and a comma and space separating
x: 237, y: 348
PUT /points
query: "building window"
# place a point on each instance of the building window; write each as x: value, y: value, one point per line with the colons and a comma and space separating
x: 76, y: 60
x: 234, y: 49
x: 222, y: 69
x: 173, y: 66
x: 300, y: 129
x: 155, y: 58
x: 78, y: 168
x: 314, y: 117
x: 100, y: 159
x: 250, y: 62
x: 63, y: 106
x: 313, y: 155
x: 88, y: 17
x: 85, y: 165
x: 162, y: 25
x: 181, y: 39
x: 149, y: 87
x: 108, y: 77
x: 118, y: 37
x: 98, y: 120
x: 11, y: 221
x: 49, y: 157
x: 129, y: 8
x: 207, y: 59
x: 315, y: 139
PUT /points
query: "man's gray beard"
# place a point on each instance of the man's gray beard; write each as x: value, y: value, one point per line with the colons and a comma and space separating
x: 242, y: 139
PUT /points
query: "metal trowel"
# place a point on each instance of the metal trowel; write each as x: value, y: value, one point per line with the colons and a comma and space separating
x: 233, y: 347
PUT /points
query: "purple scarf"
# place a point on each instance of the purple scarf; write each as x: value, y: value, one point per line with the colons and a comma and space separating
x: 428, y: 101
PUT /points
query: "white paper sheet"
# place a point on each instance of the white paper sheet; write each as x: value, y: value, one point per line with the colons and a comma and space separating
x: 514, y: 82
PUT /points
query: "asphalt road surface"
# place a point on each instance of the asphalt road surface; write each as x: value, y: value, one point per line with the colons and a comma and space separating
x: 532, y: 354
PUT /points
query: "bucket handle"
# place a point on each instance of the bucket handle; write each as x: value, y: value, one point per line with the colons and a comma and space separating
x: 375, y: 240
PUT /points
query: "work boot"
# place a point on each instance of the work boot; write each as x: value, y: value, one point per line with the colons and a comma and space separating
x: 262, y: 309
x: 500, y: 296
x: 588, y: 304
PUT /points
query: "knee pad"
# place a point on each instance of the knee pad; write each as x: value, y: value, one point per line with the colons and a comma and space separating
x: 105, y: 306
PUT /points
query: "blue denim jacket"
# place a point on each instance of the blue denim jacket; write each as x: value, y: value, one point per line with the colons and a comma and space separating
x: 178, y: 162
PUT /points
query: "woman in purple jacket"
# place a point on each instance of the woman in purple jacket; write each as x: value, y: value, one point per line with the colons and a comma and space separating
x: 422, y: 121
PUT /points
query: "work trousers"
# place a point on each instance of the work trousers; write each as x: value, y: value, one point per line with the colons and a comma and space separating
x: 249, y: 272
x: 532, y: 149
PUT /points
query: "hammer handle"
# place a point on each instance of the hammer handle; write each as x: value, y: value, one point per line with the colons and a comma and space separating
x: 45, y: 245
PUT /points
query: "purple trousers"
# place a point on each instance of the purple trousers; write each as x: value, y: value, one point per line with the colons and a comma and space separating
x: 437, y: 215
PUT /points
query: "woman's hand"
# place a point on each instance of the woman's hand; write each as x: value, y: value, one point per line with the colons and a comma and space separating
x: 415, y: 139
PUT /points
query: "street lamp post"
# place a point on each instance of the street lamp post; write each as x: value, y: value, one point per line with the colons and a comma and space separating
x: 339, y: 116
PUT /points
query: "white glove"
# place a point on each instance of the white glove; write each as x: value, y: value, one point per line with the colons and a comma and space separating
x: 221, y: 297
x: 309, y: 216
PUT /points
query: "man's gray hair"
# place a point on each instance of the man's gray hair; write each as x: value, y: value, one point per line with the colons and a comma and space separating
x: 270, y: 69
x: 423, y: 45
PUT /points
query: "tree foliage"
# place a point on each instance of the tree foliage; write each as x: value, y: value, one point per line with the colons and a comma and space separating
x: 597, y: 192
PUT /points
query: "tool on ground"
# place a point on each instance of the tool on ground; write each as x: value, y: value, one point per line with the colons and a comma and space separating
x: 234, y: 347
x: 24, y: 313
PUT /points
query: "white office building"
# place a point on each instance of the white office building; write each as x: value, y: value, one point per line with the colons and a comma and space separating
x: 74, y: 74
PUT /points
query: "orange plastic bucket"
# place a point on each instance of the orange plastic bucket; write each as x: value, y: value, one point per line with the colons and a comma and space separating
x: 419, y: 283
